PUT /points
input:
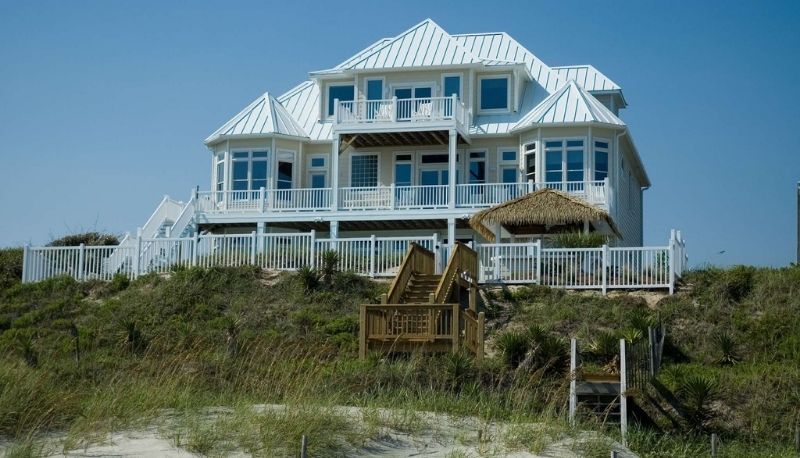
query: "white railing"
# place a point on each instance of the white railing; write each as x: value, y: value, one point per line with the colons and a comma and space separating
x: 474, y: 195
x: 394, y: 110
x: 600, y: 268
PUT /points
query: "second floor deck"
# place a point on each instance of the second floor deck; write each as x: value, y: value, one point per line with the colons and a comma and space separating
x: 319, y: 201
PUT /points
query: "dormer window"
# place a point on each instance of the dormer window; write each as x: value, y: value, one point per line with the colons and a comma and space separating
x: 343, y: 92
x: 494, y: 95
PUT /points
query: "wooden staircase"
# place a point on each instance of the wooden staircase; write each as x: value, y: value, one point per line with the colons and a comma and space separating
x: 422, y: 310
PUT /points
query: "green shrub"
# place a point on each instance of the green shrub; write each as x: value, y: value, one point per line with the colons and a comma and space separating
x: 87, y: 238
x: 308, y: 278
x: 513, y: 345
x: 579, y: 240
x: 696, y: 393
x: 10, y: 267
x: 726, y: 348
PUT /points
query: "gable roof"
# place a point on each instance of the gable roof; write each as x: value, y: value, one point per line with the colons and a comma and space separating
x: 570, y: 104
x: 499, y: 46
x: 588, y: 77
x: 424, y: 45
x: 263, y: 116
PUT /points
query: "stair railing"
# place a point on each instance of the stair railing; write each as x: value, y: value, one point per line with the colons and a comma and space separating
x: 417, y: 260
x: 461, y: 267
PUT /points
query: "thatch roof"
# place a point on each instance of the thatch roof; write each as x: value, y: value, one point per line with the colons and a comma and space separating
x: 545, y: 207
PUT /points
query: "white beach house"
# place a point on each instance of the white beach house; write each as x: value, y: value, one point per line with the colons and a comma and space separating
x: 410, y: 137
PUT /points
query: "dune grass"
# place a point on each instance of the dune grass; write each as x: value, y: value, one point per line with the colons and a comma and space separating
x: 91, y: 358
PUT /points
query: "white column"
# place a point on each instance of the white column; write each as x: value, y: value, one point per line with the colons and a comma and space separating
x: 451, y: 179
x: 451, y: 233
x: 498, y: 232
x: 335, y: 175
x: 261, y: 229
x: 334, y: 235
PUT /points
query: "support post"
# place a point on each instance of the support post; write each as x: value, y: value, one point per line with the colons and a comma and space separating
x: 623, y: 398
x: 362, y: 332
x: 303, y: 447
x: 334, y: 235
x: 605, y: 269
x: 261, y: 229
x: 481, y: 325
x: 195, y: 248
x: 25, y: 263
x: 451, y: 175
x: 262, y: 199
x: 456, y: 327
x: 714, y: 445
x: 473, y: 297
x: 335, y: 172
x: 437, y: 254
x: 451, y: 233
x: 313, y: 249
x: 573, y: 375
x: 81, y: 262
x: 539, y: 261
x: 372, y: 256
x: 531, y: 186
x: 392, y: 196
x: 253, y: 242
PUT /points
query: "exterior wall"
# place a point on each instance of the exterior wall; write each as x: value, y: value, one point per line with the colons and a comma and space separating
x: 628, y: 204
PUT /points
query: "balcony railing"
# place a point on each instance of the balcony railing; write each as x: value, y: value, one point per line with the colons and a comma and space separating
x: 474, y: 195
x: 439, y: 110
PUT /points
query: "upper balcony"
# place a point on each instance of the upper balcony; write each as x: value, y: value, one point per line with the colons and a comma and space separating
x: 402, y: 115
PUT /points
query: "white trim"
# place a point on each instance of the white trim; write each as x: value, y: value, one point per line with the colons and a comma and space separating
x: 350, y: 166
x: 507, y: 76
x: 460, y: 85
x: 327, y: 94
x: 375, y: 78
x: 409, y: 162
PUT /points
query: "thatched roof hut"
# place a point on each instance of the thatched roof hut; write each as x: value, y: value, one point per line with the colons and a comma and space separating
x: 540, y: 211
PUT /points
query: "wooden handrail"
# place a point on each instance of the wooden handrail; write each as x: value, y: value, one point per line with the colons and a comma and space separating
x: 417, y: 260
x: 463, y: 260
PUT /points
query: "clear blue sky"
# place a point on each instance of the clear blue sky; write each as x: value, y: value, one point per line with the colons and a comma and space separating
x: 104, y: 105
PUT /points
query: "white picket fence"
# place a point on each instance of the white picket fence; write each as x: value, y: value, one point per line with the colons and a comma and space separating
x: 601, y: 268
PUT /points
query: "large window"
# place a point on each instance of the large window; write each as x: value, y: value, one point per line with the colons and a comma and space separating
x: 402, y: 170
x: 563, y: 160
x: 249, y: 170
x: 364, y: 170
x: 530, y: 162
x: 477, y: 167
x: 600, y: 160
x: 220, y: 171
x: 493, y: 94
x: 509, y: 167
x: 343, y: 92
x: 452, y: 86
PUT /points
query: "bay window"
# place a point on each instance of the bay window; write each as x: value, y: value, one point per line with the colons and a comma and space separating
x: 564, y: 160
x: 249, y: 171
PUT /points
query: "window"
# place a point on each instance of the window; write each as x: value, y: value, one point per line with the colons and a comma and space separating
x: 375, y: 89
x: 344, y: 92
x: 564, y: 160
x: 249, y: 170
x: 493, y: 93
x: 477, y: 167
x: 452, y: 86
x: 402, y: 170
x: 530, y: 161
x: 318, y: 180
x: 364, y: 170
x: 600, y: 160
x: 220, y: 168
x: 285, y: 169
x: 317, y: 162
x: 509, y: 168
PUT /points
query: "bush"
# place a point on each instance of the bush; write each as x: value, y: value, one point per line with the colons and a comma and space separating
x: 579, y: 240
x: 10, y: 267
x: 87, y: 238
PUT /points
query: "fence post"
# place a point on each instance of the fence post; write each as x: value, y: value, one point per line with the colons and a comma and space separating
x: 362, y: 332
x: 573, y: 375
x: 605, y: 269
x: 372, y: 256
x: 392, y: 196
x: 195, y: 248
x: 539, y: 262
x: 313, y: 250
x: 303, y: 447
x: 623, y: 387
x: 253, y: 242
x: 456, y: 327
x: 672, y: 254
x: 651, y: 346
x: 25, y: 263
x: 81, y: 262
x: 714, y: 445
x: 481, y: 324
x: 137, y: 264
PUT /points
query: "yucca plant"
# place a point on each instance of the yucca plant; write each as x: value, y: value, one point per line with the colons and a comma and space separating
x: 513, y: 345
x: 726, y: 348
x: 458, y: 369
x: 604, y: 346
x: 330, y: 266
x: 696, y: 393
x: 308, y: 278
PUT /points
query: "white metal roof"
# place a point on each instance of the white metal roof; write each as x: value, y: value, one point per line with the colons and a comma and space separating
x: 570, y: 104
x: 424, y: 45
x: 588, y: 77
x: 501, y: 47
x: 264, y: 115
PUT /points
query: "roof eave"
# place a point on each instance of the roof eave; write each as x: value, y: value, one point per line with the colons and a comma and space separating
x: 569, y: 124
x: 215, y: 139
